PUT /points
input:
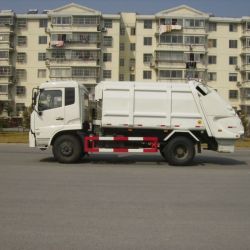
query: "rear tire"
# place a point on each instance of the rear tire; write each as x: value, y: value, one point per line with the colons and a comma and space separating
x: 67, y: 149
x: 179, y: 151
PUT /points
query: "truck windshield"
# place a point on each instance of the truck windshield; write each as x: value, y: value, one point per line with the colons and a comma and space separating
x: 49, y: 99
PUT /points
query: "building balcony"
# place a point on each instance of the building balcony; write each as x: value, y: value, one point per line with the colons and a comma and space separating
x: 246, y: 50
x: 181, y: 47
x: 7, y: 28
x: 7, y: 80
x: 5, y: 62
x: 74, y: 44
x: 5, y: 96
x: 72, y: 28
x: 74, y: 62
x: 80, y: 79
x: 165, y: 63
x: 245, y: 67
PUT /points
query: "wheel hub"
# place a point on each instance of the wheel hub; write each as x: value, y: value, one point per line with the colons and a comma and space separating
x: 180, y: 152
x: 66, y: 149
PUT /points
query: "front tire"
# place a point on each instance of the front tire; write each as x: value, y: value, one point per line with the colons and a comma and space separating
x: 180, y: 151
x: 67, y: 149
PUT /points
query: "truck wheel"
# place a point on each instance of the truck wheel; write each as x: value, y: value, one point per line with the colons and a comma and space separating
x: 67, y: 149
x: 179, y: 151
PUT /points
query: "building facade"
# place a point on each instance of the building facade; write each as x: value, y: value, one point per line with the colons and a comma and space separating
x: 79, y: 43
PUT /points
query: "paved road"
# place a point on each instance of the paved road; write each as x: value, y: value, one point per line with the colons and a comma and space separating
x: 123, y: 202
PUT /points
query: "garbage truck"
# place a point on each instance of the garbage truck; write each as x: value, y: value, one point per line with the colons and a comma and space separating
x: 177, y: 120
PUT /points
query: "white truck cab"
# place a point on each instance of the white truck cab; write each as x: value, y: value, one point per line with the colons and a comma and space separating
x: 133, y: 117
x: 60, y: 106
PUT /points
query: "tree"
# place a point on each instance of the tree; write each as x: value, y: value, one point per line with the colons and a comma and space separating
x: 26, y: 117
x: 245, y: 122
x: 8, y: 108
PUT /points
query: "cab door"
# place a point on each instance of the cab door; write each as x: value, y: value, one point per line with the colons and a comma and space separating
x: 49, y: 117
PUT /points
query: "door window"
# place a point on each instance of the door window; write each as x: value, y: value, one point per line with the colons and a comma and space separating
x: 49, y: 99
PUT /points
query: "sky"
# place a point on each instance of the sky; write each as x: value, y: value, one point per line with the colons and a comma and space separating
x: 229, y: 8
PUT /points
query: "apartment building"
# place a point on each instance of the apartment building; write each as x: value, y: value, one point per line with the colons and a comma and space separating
x: 76, y: 42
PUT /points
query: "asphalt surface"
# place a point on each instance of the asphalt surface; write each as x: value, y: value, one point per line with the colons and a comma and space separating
x: 123, y: 202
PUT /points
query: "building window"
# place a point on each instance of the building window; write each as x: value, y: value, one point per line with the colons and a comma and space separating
x: 43, y: 23
x: 121, y: 77
x: 212, y: 27
x: 212, y: 60
x: 147, y: 74
x: 232, y: 27
x: 5, y: 71
x: 107, y: 57
x: 171, y: 21
x: 121, y: 62
x: 248, y: 25
x: 41, y: 56
x: 212, y: 76
x: 21, y: 40
x: 21, y: 74
x: 233, y: 94
x: 194, y: 23
x: 107, y: 41
x: 20, y: 90
x: 41, y: 73
x: 147, y: 24
x: 122, y: 47
x: 247, y: 43
x: 212, y: 43
x: 61, y: 72
x: 171, y: 39
x: 232, y: 77
x: 21, y: 57
x: 6, y: 20
x: 66, y: 20
x: 122, y: 31
x: 4, y: 89
x: 233, y: 44
x: 194, y: 40
x: 132, y: 77
x: 42, y: 40
x: 132, y: 46
x: 80, y: 72
x: 82, y: 20
x: 20, y: 107
x: 107, y: 74
x: 169, y: 74
x: 132, y: 62
x: 176, y: 56
x: 4, y: 55
x: 22, y: 23
x: 147, y: 58
x: 108, y: 23
x: 132, y: 31
x: 232, y: 60
x: 147, y: 41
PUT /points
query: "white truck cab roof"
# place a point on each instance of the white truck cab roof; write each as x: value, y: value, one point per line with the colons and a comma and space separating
x: 61, y: 84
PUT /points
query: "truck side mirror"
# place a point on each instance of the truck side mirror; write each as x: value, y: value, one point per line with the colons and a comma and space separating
x: 34, y: 97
